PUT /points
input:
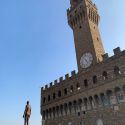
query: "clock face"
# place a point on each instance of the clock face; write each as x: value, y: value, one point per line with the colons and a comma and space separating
x: 86, y: 60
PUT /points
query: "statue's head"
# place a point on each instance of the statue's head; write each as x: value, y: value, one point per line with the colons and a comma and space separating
x: 27, y: 102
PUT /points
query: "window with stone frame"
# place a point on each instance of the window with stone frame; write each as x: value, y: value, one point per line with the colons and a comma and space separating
x: 105, y: 75
x: 43, y: 115
x: 65, y: 91
x: 47, y: 113
x: 71, y: 89
x: 50, y: 112
x: 85, y: 83
x: 78, y: 86
x: 54, y: 95
x: 44, y: 100
x: 95, y: 79
x: 59, y: 93
x: 119, y: 94
x: 48, y: 97
x: 117, y: 70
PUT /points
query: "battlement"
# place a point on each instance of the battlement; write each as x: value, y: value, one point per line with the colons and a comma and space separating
x: 117, y: 52
x: 60, y: 80
x: 79, y: 14
x: 72, y: 7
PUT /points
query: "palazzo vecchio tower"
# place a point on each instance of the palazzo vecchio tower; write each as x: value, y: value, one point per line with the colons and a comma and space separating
x: 95, y: 95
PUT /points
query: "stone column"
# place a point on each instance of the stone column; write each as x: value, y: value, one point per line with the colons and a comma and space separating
x: 48, y: 115
x: 93, y: 104
x: 68, y: 112
x: 105, y: 99
x: 100, y: 101
x: 59, y: 112
x: 75, y: 108
x: 78, y: 108
x: 45, y: 117
x: 88, y: 105
x: 64, y: 112
x: 113, y: 99
x: 83, y: 107
x: 52, y: 115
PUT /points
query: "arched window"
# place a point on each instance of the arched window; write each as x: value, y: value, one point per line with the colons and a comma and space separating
x: 57, y: 110
x: 86, y: 83
x: 109, y: 96
x: 119, y: 94
x: 54, y: 95
x: 104, y: 99
x: 71, y: 89
x: 43, y: 115
x: 70, y: 107
x: 80, y: 104
x: 94, y: 79
x: 48, y: 97
x: 97, y: 101
x: 50, y: 113
x: 47, y: 113
x: 86, y: 103
x: 105, y: 75
x: 78, y: 86
x: 116, y: 70
x: 65, y: 108
x: 44, y: 100
x: 75, y: 105
x: 54, y: 111
x: 61, y: 110
x: 91, y: 102
x: 59, y: 93
x: 65, y: 91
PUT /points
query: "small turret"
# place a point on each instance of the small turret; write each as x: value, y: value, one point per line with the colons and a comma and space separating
x: 73, y: 3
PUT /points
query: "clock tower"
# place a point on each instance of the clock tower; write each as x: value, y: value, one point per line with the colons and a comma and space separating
x: 83, y: 18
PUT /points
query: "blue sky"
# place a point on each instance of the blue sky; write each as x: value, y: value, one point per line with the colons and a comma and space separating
x: 36, y: 47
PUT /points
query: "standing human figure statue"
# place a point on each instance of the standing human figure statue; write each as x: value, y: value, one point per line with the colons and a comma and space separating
x: 27, y: 113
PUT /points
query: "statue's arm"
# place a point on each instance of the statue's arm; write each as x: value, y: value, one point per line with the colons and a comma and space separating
x: 24, y: 112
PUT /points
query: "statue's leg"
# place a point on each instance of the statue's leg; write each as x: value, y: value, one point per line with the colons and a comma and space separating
x: 25, y: 121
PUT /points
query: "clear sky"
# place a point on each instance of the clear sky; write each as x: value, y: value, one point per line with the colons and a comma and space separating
x: 36, y: 47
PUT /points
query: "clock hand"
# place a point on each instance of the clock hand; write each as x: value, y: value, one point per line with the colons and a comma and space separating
x: 86, y: 60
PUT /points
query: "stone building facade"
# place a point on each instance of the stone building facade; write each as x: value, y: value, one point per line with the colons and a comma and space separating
x: 95, y: 95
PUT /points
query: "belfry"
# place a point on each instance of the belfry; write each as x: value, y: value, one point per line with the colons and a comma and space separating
x: 83, y: 18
